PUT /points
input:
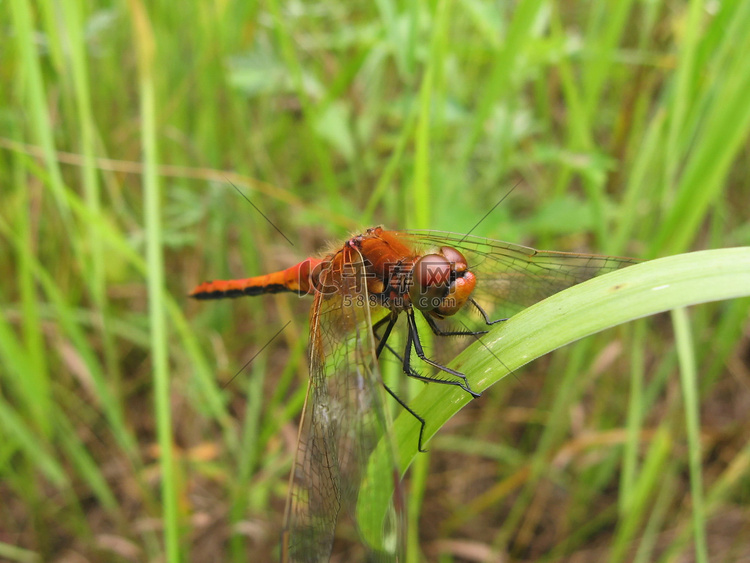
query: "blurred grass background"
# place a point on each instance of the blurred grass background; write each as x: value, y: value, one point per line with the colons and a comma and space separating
x: 122, y: 125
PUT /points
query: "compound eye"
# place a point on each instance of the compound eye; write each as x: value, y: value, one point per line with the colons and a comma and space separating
x: 454, y: 257
x: 431, y: 277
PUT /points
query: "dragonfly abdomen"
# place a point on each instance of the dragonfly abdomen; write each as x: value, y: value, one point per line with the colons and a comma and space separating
x: 298, y: 279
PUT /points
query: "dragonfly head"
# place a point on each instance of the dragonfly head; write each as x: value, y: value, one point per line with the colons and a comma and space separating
x: 441, y: 283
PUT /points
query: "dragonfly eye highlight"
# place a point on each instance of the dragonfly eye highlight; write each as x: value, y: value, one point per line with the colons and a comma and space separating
x: 431, y: 278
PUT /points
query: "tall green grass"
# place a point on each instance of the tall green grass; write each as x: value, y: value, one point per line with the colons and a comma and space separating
x: 124, y: 433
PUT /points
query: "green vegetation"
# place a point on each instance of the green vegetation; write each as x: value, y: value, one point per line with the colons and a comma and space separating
x: 123, y: 126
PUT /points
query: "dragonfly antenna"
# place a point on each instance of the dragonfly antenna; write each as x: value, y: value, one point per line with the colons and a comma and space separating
x: 255, y: 355
x: 502, y: 199
x: 476, y: 336
x: 259, y: 211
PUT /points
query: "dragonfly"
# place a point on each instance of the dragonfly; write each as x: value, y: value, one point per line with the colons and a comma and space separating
x: 360, y: 290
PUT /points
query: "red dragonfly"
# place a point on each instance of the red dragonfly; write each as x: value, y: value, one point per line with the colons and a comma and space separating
x: 359, y: 290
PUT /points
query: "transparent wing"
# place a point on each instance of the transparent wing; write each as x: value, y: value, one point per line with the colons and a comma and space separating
x: 511, y: 277
x: 343, y: 418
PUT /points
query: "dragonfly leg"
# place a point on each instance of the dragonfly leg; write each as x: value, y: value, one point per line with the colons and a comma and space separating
x: 391, y: 320
x: 392, y: 351
x: 484, y: 314
x: 412, y: 339
x: 437, y: 331
x: 411, y: 411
